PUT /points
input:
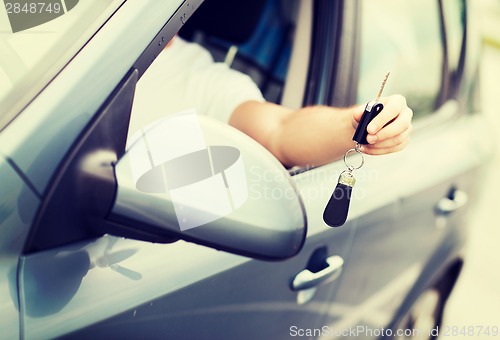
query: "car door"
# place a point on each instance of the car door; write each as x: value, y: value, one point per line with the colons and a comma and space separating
x: 405, y: 236
x: 66, y: 283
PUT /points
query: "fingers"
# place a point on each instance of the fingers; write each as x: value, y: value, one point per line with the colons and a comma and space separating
x: 390, y: 131
x: 393, y: 106
x: 371, y: 150
x: 389, y: 145
x: 393, y: 141
x: 358, y: 112
x: 399, y: 126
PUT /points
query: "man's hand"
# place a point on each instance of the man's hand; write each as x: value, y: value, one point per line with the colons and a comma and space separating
x: 390, y: 130
x: 317, y: 135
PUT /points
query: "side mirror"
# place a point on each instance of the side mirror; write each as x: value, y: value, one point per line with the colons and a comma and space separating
x: 193, y: 178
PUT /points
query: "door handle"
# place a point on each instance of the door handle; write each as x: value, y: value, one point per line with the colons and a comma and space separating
x: 307, y: 279
x: 447, y: 205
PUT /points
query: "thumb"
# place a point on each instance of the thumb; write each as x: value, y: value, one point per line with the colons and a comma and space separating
x: 358, y: 112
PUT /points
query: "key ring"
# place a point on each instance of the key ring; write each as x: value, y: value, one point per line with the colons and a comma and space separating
x: 357, y: 150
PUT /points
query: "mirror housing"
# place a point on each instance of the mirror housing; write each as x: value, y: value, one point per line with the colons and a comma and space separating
x: 193, y: 178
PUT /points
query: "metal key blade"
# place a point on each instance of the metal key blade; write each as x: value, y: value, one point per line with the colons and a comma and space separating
x: 382, y: 87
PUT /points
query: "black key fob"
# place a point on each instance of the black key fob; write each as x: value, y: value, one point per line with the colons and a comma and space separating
x: 372, y: 109
x: 337, y: 209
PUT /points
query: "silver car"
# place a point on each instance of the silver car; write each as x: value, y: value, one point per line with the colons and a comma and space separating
x: 88, y: 248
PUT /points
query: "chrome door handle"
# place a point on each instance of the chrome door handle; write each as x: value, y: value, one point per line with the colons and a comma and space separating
x: 448, y: 205
x: 307, y: 279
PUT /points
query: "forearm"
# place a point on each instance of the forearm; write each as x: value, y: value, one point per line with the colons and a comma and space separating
x: 317, y: 135
x: 310, y: 136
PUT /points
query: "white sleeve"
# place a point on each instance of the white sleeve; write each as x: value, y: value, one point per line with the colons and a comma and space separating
x: 217, y: 90
x: 183, y: 77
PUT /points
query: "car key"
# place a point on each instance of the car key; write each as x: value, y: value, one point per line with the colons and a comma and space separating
x: 337, y: 209
x: 372, y: 109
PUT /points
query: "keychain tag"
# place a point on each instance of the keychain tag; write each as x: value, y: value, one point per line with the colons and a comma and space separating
x: 337, y: 209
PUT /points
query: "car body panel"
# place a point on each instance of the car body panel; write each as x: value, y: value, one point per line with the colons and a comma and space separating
x: 110, y: 276
x: 249, y: 292
x: 18, y: 205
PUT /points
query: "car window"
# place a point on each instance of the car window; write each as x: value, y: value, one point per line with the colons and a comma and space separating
x: 264, y: 56
x: 403, y: 37
x: 37, y: 38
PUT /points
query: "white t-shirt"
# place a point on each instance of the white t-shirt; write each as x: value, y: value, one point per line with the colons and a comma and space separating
x: 184, y: 76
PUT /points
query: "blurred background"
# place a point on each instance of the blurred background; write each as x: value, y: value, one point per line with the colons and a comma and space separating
x: 476, y: 298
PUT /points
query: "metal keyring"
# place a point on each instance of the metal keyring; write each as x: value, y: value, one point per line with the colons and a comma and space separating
x: 357, y: 150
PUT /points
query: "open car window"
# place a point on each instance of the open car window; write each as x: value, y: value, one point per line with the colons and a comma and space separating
x: 37, y: 39
x: 258, y: 43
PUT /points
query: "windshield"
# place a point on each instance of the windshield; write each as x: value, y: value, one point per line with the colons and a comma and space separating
x: 37, y: 39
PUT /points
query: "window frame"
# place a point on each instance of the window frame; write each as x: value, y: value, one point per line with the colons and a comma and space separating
x: 326, y: 53
x: 454, y: 79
